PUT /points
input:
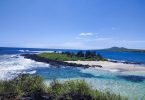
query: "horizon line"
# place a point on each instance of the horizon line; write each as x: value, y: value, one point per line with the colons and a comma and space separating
x: 66, y: 48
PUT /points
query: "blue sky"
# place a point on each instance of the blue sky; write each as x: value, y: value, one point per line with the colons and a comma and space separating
x: 77, y: 24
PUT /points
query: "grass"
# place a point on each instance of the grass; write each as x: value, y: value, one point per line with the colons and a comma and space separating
x: 26, y: 85
x: 65, y: 57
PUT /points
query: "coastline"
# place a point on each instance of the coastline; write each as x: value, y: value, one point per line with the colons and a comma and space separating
x: 55, y: 63
x: 107, y: 81
x: 112, y: 66
x: 99, y: 65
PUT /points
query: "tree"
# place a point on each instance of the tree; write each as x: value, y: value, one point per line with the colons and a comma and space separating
x: 80, y: 54
x: 99, y: 56
x: 93, y: 54
x: 90, y: 54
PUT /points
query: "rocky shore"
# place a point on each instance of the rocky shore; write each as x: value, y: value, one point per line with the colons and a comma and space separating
x: 56, y: 63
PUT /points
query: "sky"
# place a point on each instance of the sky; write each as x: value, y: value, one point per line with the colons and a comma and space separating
x: 72, y: 24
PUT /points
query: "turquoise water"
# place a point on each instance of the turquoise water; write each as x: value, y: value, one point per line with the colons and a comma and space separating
x: 132, y: 88
x: 106, y: 81
x: 130, y: 84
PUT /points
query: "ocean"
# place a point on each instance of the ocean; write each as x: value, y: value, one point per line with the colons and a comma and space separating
x: 128, y: 84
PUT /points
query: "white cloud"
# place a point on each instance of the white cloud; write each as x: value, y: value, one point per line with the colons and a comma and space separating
x: 86, y: 34
x: 102, y: 39
x: 88, y: 37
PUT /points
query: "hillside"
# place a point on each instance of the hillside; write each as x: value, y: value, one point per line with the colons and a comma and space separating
x: 122, y: 49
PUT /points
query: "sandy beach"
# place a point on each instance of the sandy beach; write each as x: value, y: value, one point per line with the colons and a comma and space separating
x: 111, y: 66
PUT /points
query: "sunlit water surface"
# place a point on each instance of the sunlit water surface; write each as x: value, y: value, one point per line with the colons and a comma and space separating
x: 128, y: 84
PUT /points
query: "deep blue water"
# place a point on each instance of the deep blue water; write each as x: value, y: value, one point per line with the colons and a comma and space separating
x: 136, y: 57
x: 129, y: 84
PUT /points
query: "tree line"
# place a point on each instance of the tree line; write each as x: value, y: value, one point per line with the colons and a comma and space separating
x: 84, y: 54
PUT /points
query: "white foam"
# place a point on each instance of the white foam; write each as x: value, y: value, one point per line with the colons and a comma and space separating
x: 23, y: 50
x: 27, y: 50
x: 43, y: 51
x: 36, y: 51
x: 30, y: 72
x: 12, y: 65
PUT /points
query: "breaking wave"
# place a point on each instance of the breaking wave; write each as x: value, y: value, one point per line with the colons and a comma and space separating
x: 13, y: 65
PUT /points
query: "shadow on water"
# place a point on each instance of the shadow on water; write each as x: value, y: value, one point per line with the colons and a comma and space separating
x: 67, y: 72
x: 132, y: 78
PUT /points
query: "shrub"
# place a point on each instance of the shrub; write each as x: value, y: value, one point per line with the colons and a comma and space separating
x: 67, y: 56
x: 22, y: 85
x: 32, y: 86
x: 79, y: 90
x: 80, y: 54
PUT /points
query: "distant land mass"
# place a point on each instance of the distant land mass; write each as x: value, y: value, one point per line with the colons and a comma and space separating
x: 122, y: 49
x: 112, y: 49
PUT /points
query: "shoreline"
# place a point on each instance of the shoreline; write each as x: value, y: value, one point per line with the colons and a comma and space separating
x: 55, y: 63
x: 99, y: 65
x: 112, y: 66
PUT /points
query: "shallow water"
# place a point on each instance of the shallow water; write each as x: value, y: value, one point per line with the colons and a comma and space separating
x: 130, y: 84
x: 108, y: 81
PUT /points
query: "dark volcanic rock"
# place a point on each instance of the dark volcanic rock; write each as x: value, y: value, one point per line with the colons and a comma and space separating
x: 96, y: 66
x: 8, y: 96
x: 37, y: 58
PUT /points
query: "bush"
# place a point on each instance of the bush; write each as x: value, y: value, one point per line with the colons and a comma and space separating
x: 8, y: 87
x: 79, y: 90
x: 80, y: 54
x: 32, y: 86
x: 22, y: 85
x: 68, y: 56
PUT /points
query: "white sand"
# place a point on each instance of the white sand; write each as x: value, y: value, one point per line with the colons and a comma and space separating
x: 111, y: 66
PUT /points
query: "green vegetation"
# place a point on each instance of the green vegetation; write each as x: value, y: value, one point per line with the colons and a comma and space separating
x: 32, y: 86
x: 22, y: 85
x: 79, y: 90
x: 67, y: 56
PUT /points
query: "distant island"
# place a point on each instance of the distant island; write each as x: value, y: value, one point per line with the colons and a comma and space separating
x: 112, y: 49
x: 122, y: 49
